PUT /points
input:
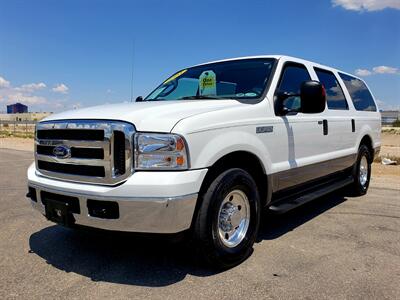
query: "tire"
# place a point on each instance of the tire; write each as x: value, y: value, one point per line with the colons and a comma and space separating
x: 361, y: 172
x: 223, y: 208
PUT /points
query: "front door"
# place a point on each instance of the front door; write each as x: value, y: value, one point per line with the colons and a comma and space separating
x: 308, y: 140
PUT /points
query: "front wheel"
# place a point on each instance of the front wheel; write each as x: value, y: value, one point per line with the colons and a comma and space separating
x: 227, y: 222
x: 361, y: 172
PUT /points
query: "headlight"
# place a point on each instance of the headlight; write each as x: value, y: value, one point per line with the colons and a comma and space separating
x: 154, y: 151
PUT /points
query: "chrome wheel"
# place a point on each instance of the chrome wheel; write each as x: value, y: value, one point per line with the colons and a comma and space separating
x: 233, y: 218
x: 363, y: 171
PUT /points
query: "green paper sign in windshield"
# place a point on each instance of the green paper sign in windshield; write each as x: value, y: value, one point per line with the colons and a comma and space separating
x: 208, y: 83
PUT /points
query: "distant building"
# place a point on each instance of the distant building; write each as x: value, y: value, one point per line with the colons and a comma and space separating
x: 17, y: 108
x: 389, y: 116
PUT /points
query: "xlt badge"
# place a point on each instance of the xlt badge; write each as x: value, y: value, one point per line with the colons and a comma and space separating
x: 264, y: 129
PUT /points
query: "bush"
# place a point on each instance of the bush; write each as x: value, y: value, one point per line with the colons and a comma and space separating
x: 396, y: 123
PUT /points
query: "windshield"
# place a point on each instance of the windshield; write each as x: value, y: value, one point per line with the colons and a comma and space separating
x: 238, y: 79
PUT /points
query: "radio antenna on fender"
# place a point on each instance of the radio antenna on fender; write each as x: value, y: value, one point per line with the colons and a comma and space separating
x: 132, y: 67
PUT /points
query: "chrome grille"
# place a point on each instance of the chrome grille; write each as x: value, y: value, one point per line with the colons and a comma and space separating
x: 95, y: 151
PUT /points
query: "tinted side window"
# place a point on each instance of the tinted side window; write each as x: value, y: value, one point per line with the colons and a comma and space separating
x: 293, y: 75
x: 334, y: 94
x: 360, y: 95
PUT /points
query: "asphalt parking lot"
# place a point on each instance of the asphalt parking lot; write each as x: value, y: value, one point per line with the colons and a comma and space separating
x: 335, y: 247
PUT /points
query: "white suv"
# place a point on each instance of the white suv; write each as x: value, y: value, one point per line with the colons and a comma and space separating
x: 207, y: 150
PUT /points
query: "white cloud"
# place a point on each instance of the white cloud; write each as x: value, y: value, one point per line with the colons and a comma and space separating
x: 377, y: 70
x: 4, y: 83
x: 61, y: 88
x: 12, y: 95
x: 385, y: 70
x: 26, y: 99
x: 23, y: 93
x: 363, y: 72
x: 367, y: 5
x: 34, y: 95
x: 31, y: 87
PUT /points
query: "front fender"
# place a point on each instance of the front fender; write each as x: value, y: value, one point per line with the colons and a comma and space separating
x: 209, y: 146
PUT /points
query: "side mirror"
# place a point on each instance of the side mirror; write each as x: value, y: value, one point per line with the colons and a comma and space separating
x: 313, y: 97
x: 280, y: 107
x: 139, y: 99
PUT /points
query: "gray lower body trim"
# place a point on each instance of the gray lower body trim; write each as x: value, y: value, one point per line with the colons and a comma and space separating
x: 296, y: 176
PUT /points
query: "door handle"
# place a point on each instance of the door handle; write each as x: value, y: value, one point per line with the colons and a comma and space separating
x: 325, y: 126
x: 353, y: 125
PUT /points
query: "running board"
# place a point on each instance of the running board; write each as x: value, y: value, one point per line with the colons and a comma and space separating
x: 283, y: 206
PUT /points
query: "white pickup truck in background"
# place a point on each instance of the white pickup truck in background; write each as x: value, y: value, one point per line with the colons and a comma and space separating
x: 207, y: 150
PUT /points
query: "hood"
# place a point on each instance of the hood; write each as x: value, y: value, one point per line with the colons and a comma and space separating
x: 157, y: 116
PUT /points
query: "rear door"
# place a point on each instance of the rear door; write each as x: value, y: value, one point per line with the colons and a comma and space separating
x: 340, y: 121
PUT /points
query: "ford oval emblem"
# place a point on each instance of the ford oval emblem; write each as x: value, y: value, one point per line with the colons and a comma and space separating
x: 62, y: 151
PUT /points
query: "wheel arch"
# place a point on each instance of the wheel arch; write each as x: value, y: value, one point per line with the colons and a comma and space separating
x: 367, y: 141
x: 245, y: 160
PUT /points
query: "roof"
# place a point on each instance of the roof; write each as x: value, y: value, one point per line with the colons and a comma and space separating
x: 239, y: 58
x: 18, y: 103
x: 280, y: 56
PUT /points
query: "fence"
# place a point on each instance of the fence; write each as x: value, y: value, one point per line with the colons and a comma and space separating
x: 17, y: 128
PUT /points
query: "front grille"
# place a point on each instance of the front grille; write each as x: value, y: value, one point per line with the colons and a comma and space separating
x: 71, y: 134
x: 85, y: 150
x: 75, y: 152
x: 119, y: 152
x: 71, y: 169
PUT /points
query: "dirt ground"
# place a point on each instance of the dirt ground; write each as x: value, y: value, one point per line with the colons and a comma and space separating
x: 16, y: 143
x: 390, y: 144
x: 385, y: 176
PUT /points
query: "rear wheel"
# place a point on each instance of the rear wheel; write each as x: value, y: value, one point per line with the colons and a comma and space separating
x: 361, y: 172
x: 227, y: 222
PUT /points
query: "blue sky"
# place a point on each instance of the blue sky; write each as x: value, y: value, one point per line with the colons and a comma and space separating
x: 58, y: 55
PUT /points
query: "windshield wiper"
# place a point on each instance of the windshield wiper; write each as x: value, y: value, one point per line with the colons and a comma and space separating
x: 200, y: 97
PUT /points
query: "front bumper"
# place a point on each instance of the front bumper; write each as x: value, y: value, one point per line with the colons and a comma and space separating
x: 149, y: 202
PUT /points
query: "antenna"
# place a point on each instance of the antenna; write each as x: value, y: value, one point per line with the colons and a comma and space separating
x: 132, y: 66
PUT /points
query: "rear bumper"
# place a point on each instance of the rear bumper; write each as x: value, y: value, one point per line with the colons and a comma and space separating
x: 165, y: 204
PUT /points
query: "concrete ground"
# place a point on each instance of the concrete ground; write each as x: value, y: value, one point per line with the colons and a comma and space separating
x: 336, y: 247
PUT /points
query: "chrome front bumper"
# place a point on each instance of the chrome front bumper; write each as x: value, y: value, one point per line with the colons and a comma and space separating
x: 151, y: 215
x: 148, y: 202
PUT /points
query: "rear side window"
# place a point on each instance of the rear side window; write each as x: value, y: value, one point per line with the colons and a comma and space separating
x: 360, y: 95
x: 334, y: 93
x: 292, y: 77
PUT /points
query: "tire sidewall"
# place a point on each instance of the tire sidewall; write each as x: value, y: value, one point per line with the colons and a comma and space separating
x: 363, y: 151
x: 226, y: 182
